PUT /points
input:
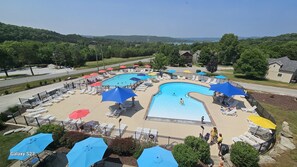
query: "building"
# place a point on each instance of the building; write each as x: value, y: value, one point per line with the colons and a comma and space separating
x: 196, y: 56
x: 187, y: 55
x: 282, y: 69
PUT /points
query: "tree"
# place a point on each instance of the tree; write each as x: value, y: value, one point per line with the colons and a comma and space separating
x: 159, y: 62
x: 228, y: 53
x: 244, y: 155
x: 205, y: 55
x: 6, y: 60
x: 212, y: 65
x: 252, y: 63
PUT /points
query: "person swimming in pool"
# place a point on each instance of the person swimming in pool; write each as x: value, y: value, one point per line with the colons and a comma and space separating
x: 173, y: 94
x: 181, y: 101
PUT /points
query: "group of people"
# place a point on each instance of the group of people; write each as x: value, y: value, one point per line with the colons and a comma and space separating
x: 216, y: 137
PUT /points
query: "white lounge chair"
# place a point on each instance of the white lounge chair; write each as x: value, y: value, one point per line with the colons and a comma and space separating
x: 236, y: 139
x: 83, y: 91
x: 119, y: 132
x: 109, y: 128
x: 146, y: 132
x: 252, y: 109
x: 154, y: 132
x: 252, y: 137
x: 46, y: 104
x: 214, y: 81
x: 35, y: 109
x: 230, y: 113
x: 208, y: 80
x: 138, y: 133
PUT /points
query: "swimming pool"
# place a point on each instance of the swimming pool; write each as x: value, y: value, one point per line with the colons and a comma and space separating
x: 166, y: 103
x: 122, y: 80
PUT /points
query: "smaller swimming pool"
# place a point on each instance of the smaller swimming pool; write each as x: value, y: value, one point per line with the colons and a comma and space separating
x: 166, y: 105
x: 122, y: 80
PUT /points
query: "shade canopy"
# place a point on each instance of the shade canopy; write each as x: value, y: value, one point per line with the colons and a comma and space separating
x: 147, y: 66
x: 122, y: 67
x: 79, y: 114
x: 30, y: 146
x: 227, y: 89
x: 201, y: 73
x: 171, y: 71
x: 220, y: 77
x: 109, y: 69
x: 157, y: 157
x: 262, y: 122
x: 135, y: 79
x: 187, y: 71
x: 87, y: 152
x: 118, y: 95
x: 96, y: 84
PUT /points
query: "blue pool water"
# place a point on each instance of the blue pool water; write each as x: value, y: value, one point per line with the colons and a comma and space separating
x: 166, y: 103
x: 122, y: 80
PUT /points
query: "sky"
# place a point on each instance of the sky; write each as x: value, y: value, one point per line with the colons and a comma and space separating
x: 173, y: 18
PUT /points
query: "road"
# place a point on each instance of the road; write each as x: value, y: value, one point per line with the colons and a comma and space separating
x: 17, y: 81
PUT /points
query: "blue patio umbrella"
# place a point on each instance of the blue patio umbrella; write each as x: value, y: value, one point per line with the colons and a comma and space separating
x: 227, y: 89
x: 135, y: 79
x: 201, y: 73
x: 118, y: 95
x: 220, y: 77
x: 86, y: 152
x: 30, y: 146
x: 157, y: 157
x: 141, y: 74
x: 171, y: 71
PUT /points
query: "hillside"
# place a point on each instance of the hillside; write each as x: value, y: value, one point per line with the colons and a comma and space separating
x: 142, y: 38
x: 20, y: 33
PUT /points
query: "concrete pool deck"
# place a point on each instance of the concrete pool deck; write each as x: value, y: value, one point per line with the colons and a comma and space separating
x: 229, y: 126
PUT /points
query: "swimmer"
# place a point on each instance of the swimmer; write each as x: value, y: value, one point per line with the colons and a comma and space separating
x: 174, y: 94
x: 181, y: 101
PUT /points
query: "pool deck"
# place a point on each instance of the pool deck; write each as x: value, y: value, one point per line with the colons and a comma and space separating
x: 229, y: 126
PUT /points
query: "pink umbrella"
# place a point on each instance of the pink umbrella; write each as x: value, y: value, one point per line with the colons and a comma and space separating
x: 79, y: 114
x: 102, y: 71
x: 87, y: 76
x: 94, y: 74
x: 96, y: 84
x: 122, y: 67
x: 109, y: 69
x: 147, y: 66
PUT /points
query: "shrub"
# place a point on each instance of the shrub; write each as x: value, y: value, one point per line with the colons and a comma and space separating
x: 184, y: 155
x: 28, y: 86
x: 54, y: 80
x: 13, y: 109
x: 123, y: 146
x: 6, y: 92
x: 198, y: 71
x: 45, y: 82
x: 140, y: 63
x: 70, y: 138
x: 40, y: 83
x: 244, y: 155
x: 200, y: 147
x: 140, y: 147
x: 56, y: 130
x: 60, y: 79
x: 2, y: 125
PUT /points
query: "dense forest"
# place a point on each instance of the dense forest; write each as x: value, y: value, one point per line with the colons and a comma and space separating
x: 25, y: 46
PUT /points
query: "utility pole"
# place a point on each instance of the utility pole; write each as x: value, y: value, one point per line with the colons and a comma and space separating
x: 97, y: 60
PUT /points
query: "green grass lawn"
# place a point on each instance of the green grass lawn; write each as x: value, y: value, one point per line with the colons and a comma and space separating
x: 288, y: 158
x: 114, y: 60
x: 239, y: 78
x: 6, y: 143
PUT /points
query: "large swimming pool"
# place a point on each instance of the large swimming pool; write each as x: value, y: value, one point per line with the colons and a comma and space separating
x: 166, y: 103
x: 122, y: 80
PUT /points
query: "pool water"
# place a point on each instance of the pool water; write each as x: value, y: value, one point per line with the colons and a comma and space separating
x: 122, y: 80
x: 166, y: 103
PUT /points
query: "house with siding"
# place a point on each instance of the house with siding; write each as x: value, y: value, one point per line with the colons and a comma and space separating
x: 187, y: 55
x: 282, y: 69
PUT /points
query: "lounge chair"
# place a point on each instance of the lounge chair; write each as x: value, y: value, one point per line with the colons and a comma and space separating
x: 249, y: 141
x: 208, y: 80
x: 19, y: 130
x: 254, y: 138
x: 35, y: 109
x: 214, y: 81
x: 138, y: 133
x: 109, y: 128
x: 252, y: 109
x: 146, y: 132
x: 46, y: 104
x: 119, y: 132
x: 230, y: 113
x: 154, y: 133
x: 83, y: 91
x: 102, y: 127
x: 236, y: 139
